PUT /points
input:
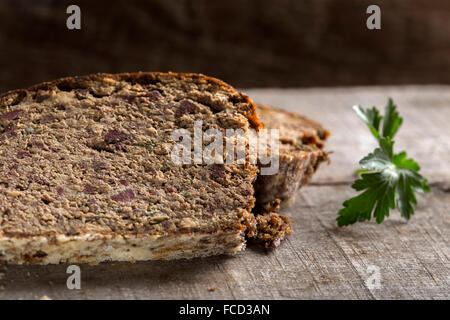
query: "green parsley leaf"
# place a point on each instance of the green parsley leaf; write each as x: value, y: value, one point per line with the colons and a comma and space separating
x: 391, y: 120
x: 388, y: 180
x: 371, y: 117
x: 378, y: 192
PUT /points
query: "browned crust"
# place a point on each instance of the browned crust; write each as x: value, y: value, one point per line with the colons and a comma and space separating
x: 321, y: 134
x: 297, y: 163
x: 82, y: 82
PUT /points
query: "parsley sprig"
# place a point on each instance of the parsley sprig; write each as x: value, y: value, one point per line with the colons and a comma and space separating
x: 388, y: 180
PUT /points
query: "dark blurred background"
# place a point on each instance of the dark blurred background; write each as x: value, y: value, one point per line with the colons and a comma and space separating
x: 248, y: 43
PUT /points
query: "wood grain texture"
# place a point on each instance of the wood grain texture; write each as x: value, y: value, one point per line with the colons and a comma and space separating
x: 318, y: 260
x: 247, y: 43
x: 425, y: 133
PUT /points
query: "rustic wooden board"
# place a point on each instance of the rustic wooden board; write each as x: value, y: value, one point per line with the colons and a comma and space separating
x: 268, y: 44
x: 318, y: 260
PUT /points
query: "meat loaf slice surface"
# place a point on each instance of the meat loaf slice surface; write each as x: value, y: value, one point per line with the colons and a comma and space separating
x: 86, y: 173
x: 300, y: 153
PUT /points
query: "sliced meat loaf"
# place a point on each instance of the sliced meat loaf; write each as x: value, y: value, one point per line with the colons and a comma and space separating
x: 86, y: 173
x: 300, y: 153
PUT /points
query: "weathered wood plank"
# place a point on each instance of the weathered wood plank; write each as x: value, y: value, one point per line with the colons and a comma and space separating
x: 269, y: 43
x: 318, y: 260
x: 425, y: 132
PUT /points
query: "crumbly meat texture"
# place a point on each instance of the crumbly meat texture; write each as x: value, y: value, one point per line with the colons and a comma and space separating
x: 271, y: 228
x: 86, y: 173
x: 300, y: 153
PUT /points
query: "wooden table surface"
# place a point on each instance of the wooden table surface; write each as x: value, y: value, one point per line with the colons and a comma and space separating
x: 318, y: 260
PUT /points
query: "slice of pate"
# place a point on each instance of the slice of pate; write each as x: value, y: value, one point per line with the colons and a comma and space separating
x: 87, y: 173
x: 300, y: 154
